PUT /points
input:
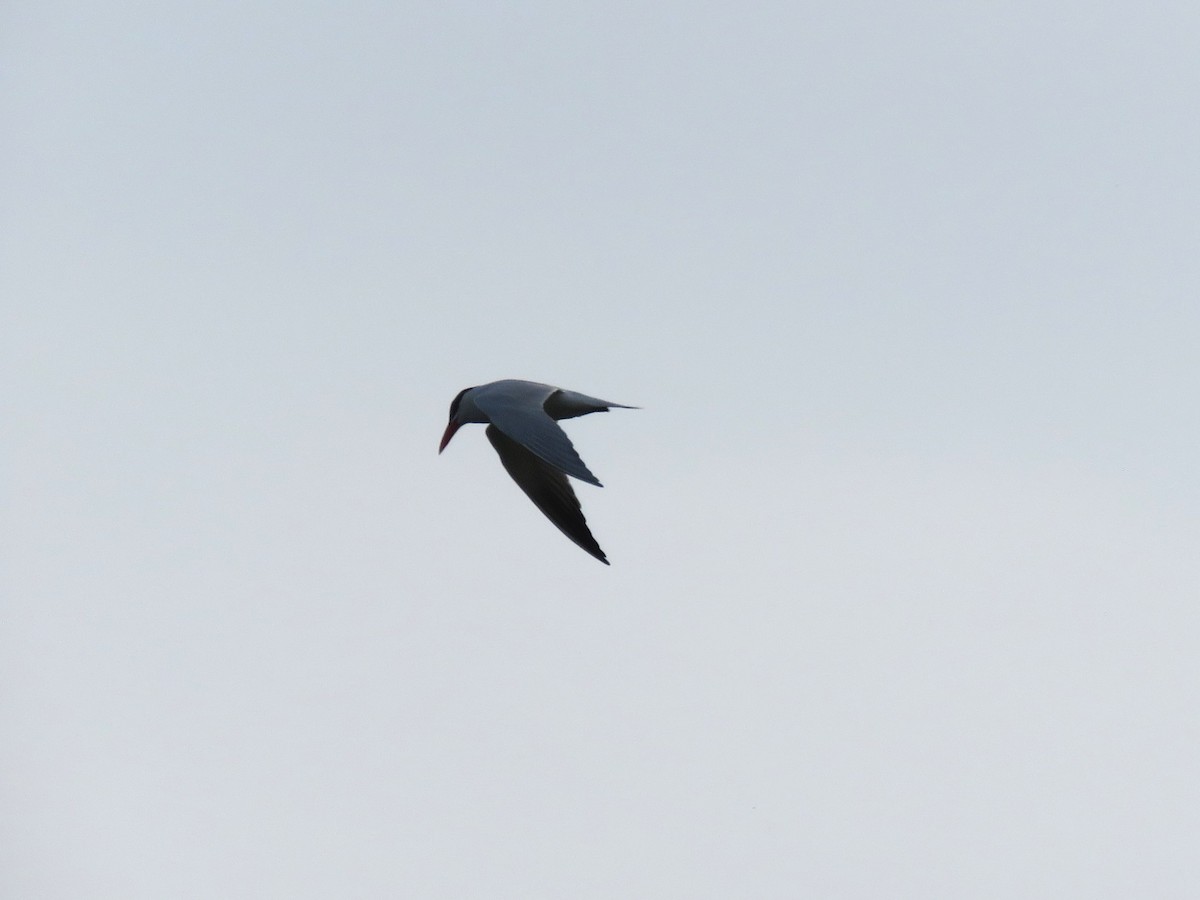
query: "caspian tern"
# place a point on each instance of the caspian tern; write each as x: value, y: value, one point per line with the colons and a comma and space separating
x: 520, y: 416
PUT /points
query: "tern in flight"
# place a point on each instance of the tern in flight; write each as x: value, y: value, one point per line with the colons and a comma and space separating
x: 521, y: 418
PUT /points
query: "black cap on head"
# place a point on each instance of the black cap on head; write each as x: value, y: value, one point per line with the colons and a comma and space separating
x: 457, y: 401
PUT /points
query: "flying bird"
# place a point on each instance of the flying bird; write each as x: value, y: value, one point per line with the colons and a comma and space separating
x: 522, y: 425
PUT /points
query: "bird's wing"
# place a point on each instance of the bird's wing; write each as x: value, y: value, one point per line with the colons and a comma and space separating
x: 547, y: 487
x: 522, y: 419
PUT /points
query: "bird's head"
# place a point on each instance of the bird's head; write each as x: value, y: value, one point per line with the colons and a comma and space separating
x: 455, y: 421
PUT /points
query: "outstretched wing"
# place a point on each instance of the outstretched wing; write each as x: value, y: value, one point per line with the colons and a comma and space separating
x: 522, y: 418
x: 547, y: 487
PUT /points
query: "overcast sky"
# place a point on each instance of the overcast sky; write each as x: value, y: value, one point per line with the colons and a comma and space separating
x: 905, y: 574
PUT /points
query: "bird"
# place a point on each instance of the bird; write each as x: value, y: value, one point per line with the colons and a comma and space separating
x: 522, y: 424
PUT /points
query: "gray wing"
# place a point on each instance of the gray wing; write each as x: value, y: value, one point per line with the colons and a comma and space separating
x: 547, y: 487
x: 524, y: 420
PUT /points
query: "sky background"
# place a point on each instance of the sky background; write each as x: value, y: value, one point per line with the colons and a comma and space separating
x: 904, y: 588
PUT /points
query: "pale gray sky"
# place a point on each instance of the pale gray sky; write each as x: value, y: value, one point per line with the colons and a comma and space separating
x: 905, y: 582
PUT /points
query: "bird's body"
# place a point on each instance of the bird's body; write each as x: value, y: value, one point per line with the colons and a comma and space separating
x: 522, y: 425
